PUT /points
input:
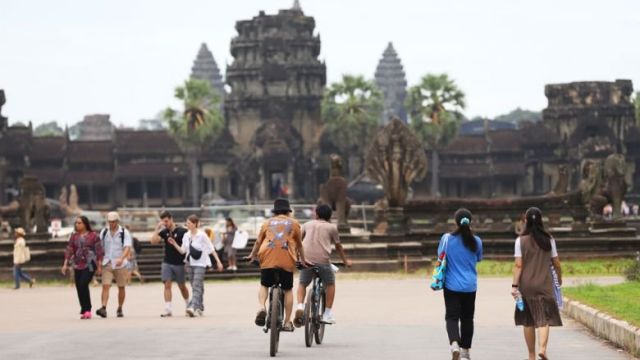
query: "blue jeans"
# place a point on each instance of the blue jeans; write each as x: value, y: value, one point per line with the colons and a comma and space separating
x: 19, y: 274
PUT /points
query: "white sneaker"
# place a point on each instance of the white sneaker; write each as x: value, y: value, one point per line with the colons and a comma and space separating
x: 464, y: 354
x: 328, y: 319
x: 199, y: 312
x: 190, y: 312
x: 455, y: 350
x: 167, y: 313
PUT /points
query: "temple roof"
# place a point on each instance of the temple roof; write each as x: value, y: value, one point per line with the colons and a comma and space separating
x: 155, y: 142
x: 98, y: 151
x: 48, y: 148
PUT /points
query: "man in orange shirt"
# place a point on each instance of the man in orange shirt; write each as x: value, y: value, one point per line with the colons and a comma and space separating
x: 277, y: 248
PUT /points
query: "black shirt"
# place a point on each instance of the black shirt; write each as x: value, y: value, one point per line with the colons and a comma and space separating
x: 171, y: 255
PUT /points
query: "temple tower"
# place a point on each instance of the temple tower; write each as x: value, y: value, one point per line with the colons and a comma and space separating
x: 273, y: 109
x: 206, y: 68
x: 391, y: 80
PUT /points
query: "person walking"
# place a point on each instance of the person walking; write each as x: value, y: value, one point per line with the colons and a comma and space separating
x: 277, y: 247
x: 463, y: 250
x: 84, y: 254
x: 21, y: 256
x: 317, y: 238
x: 230, y: 252
x: 197, y: 247
x: 535, y: 253
x: 173, y: 267
x: 117, y: 245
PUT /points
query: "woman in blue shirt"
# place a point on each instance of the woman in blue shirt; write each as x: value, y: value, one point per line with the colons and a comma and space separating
x: 463, y: 251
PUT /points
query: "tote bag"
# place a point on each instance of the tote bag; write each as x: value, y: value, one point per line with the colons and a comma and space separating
x: 437, y: 278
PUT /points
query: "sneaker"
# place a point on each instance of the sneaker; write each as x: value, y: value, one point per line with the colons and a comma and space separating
x: 102, y: 312
x: 464, y: 354
x: 166, y: 314
x: 298, y: 320
x: 199, y: 313
x: 119, y: 313
x: 32, y: 282
x: 455, y: 351
x: 86, y: 315
x: 328, y: 319
x: 190, y: 312
x: 261, y: 318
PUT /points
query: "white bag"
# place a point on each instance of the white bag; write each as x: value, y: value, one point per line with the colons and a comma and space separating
x: 240, y: 239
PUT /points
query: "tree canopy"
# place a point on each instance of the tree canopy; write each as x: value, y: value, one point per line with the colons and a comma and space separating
x: 351, y: 109
x: 435, y: 109
x: 200, y: 120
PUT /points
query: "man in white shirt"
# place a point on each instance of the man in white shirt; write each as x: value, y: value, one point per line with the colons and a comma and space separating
x: 117, y: 244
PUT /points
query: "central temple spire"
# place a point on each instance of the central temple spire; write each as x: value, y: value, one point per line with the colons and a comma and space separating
x: 296, y: 5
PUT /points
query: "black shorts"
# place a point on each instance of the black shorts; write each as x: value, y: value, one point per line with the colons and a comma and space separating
x: 268, y: 278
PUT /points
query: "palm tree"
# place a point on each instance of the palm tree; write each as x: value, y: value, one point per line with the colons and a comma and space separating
x: 199, y: 123
x: 435, y: 109
x: 351, y: 109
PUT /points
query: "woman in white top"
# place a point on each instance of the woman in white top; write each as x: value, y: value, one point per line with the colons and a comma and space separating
x: 20, y: 257
x: 197, y: 247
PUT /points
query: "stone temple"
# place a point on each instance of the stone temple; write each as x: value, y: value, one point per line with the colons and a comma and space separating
x: 582, y: 121
x: 391, y: 80
x: 273, y: 109
x: 273, y: 142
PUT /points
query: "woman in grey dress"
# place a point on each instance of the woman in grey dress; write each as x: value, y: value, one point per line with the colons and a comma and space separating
x: 535, y: 253
x: 230, y: 252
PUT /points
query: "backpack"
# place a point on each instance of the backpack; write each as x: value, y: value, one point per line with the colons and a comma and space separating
x: 103, y: 234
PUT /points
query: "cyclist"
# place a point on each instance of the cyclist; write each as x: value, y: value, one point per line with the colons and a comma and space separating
x: 318, y: 235
x: 277, y: 247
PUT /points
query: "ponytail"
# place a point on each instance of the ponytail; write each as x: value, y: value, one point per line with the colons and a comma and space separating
x: 463, y: 221
x: 535, y: 228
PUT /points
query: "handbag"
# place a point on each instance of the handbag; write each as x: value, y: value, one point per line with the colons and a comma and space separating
x: 27, y: 254
x: 194, y: 253
x: 437, y: 278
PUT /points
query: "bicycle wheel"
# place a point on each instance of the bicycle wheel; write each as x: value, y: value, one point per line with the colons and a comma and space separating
x: 319, y: 333
x: 274, y: 321
x: 309, y: 321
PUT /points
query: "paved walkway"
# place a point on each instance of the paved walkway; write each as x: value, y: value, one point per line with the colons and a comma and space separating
x: 377, y: 319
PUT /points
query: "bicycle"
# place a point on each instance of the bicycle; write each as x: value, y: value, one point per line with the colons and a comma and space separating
x: 313, y: 311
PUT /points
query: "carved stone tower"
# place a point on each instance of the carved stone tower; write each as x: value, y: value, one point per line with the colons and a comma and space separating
x: 273, y: 109
x: 391, y: 80
x: 206, y: 68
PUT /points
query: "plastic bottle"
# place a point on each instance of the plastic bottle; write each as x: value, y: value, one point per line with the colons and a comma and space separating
x: 519, y: 301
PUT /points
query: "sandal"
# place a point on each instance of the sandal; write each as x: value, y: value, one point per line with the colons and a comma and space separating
x: 288, y: 327
x: 261, y: 317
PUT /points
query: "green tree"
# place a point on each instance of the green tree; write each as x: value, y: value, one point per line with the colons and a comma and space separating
x: 435, y: 110
x: 351, y: 109
x: 198, y: 123
x: 48, y: 129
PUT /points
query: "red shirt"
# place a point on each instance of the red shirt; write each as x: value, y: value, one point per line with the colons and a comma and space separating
x: 83, y: 250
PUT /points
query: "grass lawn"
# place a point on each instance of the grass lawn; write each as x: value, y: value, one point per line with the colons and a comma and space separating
x: 620, y: 301
x: 599, y: 267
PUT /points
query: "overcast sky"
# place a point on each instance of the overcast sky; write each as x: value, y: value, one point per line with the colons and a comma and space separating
x: 60, y: 60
